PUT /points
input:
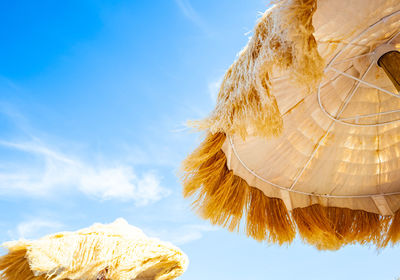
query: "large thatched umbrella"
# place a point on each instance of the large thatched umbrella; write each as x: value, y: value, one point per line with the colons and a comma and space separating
x: 305, y: 136
x: 115, y: 251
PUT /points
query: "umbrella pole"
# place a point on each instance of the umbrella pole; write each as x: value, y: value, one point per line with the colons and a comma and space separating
x: 390, y: 62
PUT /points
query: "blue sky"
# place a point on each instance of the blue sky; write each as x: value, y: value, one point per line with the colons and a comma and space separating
x: 94, y: 96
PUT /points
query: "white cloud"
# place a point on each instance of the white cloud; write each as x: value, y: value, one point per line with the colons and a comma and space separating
x: 122, y: 183
x: 38, y: 227
x: 190, y: 13
x: 35, y: 228
x: 58, y: 171
x: 182, y: 235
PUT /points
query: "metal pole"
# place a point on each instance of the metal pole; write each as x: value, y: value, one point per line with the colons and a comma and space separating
x: 390, y: 62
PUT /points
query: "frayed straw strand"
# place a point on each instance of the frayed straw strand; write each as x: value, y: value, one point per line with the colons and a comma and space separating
x: 226, y: 200
x: 15, y: 266
x: 283, y: 39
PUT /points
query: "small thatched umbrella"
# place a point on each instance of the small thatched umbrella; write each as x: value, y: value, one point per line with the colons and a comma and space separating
x: 305, y: 136
x: 114, y: 251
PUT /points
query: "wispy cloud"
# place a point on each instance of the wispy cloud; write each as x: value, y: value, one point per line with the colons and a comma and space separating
x: 7, y: 83
x: 58, y: 171
x: 190, y: 13
x: 183, y: 234
x: 35, y: 228
x: 12, y: 115
x: 38, y: 227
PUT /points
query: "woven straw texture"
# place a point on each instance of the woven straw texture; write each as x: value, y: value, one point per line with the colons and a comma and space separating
x: 327, y: 174
x: 114, y: 251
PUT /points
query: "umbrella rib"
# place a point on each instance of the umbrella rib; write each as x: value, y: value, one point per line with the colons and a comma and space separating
x: 369, y: 115
x: 332, y: 62
x: 301, y: 100
x: 365, y: 83
x: 359, y: 35
x: 352, y: 58
x: 340, y: 111
x: 296, y: 191
x: 333, y: 118
x: 394, y: 37
x: 353, y: 124
x: 311, y: 156
x: 343, y: 42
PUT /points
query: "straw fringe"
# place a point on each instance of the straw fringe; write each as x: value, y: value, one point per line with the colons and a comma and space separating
x: 283, y: 39
x: 15, y: 266
x: 223, y: 198
x: 332, y: 227
x: 226, y: 199
x: 90, y: 256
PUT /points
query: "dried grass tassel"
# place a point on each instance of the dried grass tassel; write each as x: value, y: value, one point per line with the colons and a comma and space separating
x: 268, y: 219
x: 283, y: 39
x: 329, y: 228
x: 226, y: 199
x: 393, y: 235
x: 15, y: 266
x: 111, y: 251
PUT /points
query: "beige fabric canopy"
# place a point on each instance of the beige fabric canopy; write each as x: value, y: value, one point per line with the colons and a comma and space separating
x: 306, y: 132
x: 115, y: 251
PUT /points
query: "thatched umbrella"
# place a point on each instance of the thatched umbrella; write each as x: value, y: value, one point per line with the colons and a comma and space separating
x: 115, y: 251
x: 305, y: 136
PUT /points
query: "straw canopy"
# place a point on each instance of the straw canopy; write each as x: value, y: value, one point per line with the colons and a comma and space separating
x: 115, y: 251
x: 305, y: 136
